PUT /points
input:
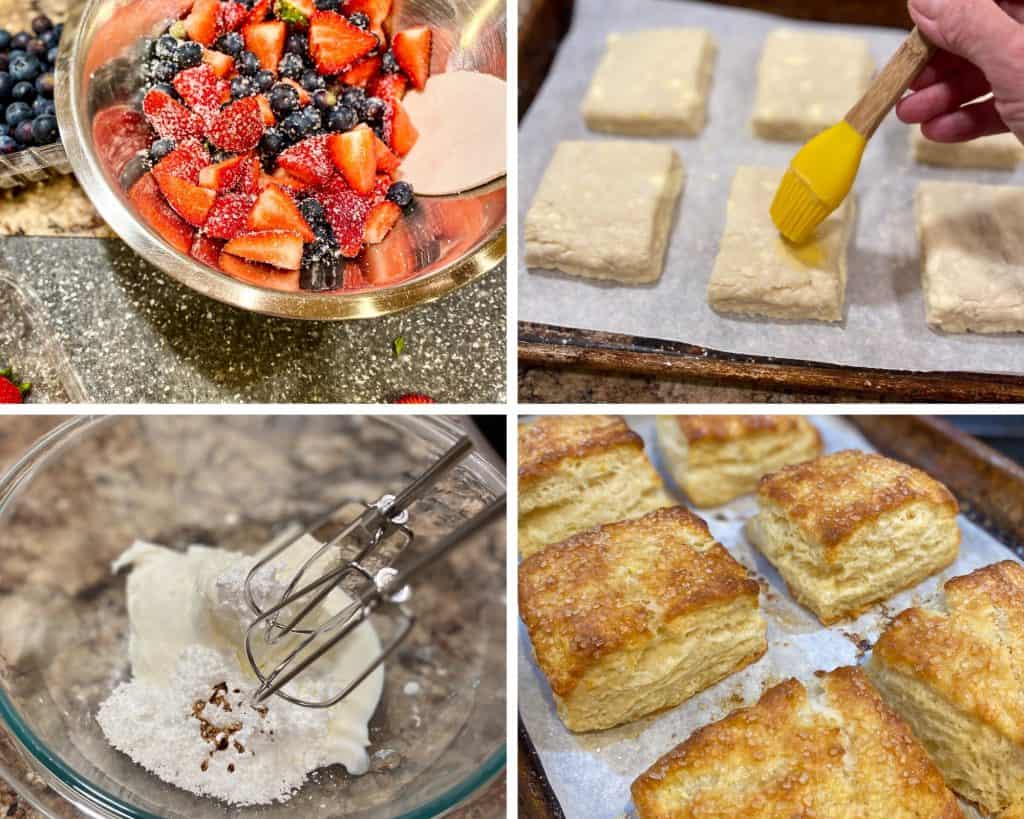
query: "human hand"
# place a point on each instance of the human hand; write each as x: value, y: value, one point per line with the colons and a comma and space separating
x: 981, y: 46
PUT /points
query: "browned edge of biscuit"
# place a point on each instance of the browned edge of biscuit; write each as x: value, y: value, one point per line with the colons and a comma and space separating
x: 546, y: 442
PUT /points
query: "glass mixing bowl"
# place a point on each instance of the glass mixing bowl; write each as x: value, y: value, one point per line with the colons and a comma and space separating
x: 445, y: 243
x: 93, y: 485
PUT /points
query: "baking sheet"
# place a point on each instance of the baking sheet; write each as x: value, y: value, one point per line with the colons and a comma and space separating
x: 885, y: 323
x: 591, y: 773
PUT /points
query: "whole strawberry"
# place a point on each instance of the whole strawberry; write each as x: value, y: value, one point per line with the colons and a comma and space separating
x: 12, y: 392
x: 414, y: 398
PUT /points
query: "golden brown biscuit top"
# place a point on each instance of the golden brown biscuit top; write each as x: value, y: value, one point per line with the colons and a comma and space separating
x: 785, y: 757
x: 974, y: 655
x: 732, y: 427
x: 831, y: 497
x: 613, y: 586
x: 545, y: 442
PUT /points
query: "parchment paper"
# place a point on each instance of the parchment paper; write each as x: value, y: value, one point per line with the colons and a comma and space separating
x: 885, y: 322
x: 591, y: 773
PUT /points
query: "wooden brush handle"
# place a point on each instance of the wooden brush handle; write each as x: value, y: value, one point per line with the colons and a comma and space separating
x: 891, y: 83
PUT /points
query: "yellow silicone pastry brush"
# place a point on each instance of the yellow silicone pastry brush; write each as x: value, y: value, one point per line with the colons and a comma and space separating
x: 821, y: 174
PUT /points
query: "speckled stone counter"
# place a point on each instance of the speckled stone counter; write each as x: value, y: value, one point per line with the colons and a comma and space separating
x: 17, y: 433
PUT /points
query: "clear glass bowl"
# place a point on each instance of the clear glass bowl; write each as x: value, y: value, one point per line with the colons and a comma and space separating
x: 33, y: 165
x: 88, y: 489
x: 445, y: 243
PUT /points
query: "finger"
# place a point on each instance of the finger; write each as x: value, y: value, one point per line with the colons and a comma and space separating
x: 943, y: 97
x: 970, y: 122
x: 978, y: 30
x: 1014, y: 9
x: 942, y: 66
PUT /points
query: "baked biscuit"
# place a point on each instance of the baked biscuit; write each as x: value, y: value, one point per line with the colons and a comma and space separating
x: 604, y: 211
x: 632, y: 617
x: 715, y: 458
x: 850, y: 529
x: 833, y: 751
x: 579, y: 471
x: 956, y: 673
x: 652, y: 83
x: 808, y: 81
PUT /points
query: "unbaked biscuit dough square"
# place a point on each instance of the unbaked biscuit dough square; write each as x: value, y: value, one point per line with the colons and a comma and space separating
x: 1002, y: 152
x: 652, y: 83
x: 807, y: 82
x: 604, y: 211
x: 972, y: 251
x: 758, y: 273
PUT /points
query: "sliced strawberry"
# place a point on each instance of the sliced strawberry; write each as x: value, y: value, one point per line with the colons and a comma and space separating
x: 355, y: 156
x: 185, y: 162
x: 412, y: 51
x: 259, y: 10
x: 401, y: 133
x: 222, y: 64
x: 205, y: 249
x: 381, y: 188
x: 347, y: 212
x: 376, y: 10
x: 237, y: 127
x: 275, y: 210
x: 304, y: 97
x: 335, y: 44
x: 363, y: 72
x: 249, y: 176
x: 390, y: 87
x: 201, y: 23
x: 202, y: 90
x: 281, y: 177
x: 280, y: 248
x: 309, y: 160
x: 222, y: 175
x: 189, y: 201
x: 229, y: 215
x: 266, y: 41
x: 231, y: 16
x: 169, y: 117
x: 382, y: 218
x: 149, y: 202
x: 352, y: 277
x: 387, y: 162
x: 265, y: 110
x: 260, y: 275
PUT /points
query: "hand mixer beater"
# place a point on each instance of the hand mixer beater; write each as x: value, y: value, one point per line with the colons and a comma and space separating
x: 372, y: 560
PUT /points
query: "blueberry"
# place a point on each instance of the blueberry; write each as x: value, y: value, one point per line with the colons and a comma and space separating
x: 133, y: 170
x: 5, y: 39
x: 44, y: 129
x: 401, y: 194
x: 49, y: 38
x: 242, y: 87
x: 7, y: 145
x: 41, y: 23
x: 291, y: 66
x: 51, y: 55
x: 312, y: 81
x: 388, y: 64
x: 189, y: 54
x: 161, y: 70
x: 17, y: 112
x: 20, y: 40
x: 25, y: 68
x: 272, y: 142
x: 37, y: 48
x: 24, y: 132
x: 5, y: 61
x: 360, y: 20
x: 312, y: 115
x: 313, y: 212
x: 324, y: 100
x: 328, y: 5
x: 353, y: 96
x: 296, y: 44
x: 23, y: 92
x: 231, y: 43
x: 165, y: 47
x: 295, y: 126
x: 342, y: 118
x: 378, y: 129
x: 6, y: 86
x: 41, y: 105
x: 45, y: 84
x: 264, y: 80
x: 159, y: 149
x: 320, y: 268
x: 16, y: 52
x: 283, y: 99
x: 59, y: 28
x: 374, y: 109
x: 247, y: 63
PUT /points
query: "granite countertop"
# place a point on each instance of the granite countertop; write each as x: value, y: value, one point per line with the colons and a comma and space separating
x: 17, y: 433
x: 87, y: 319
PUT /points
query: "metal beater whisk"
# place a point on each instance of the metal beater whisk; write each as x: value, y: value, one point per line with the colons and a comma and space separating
x: 385, y: 587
